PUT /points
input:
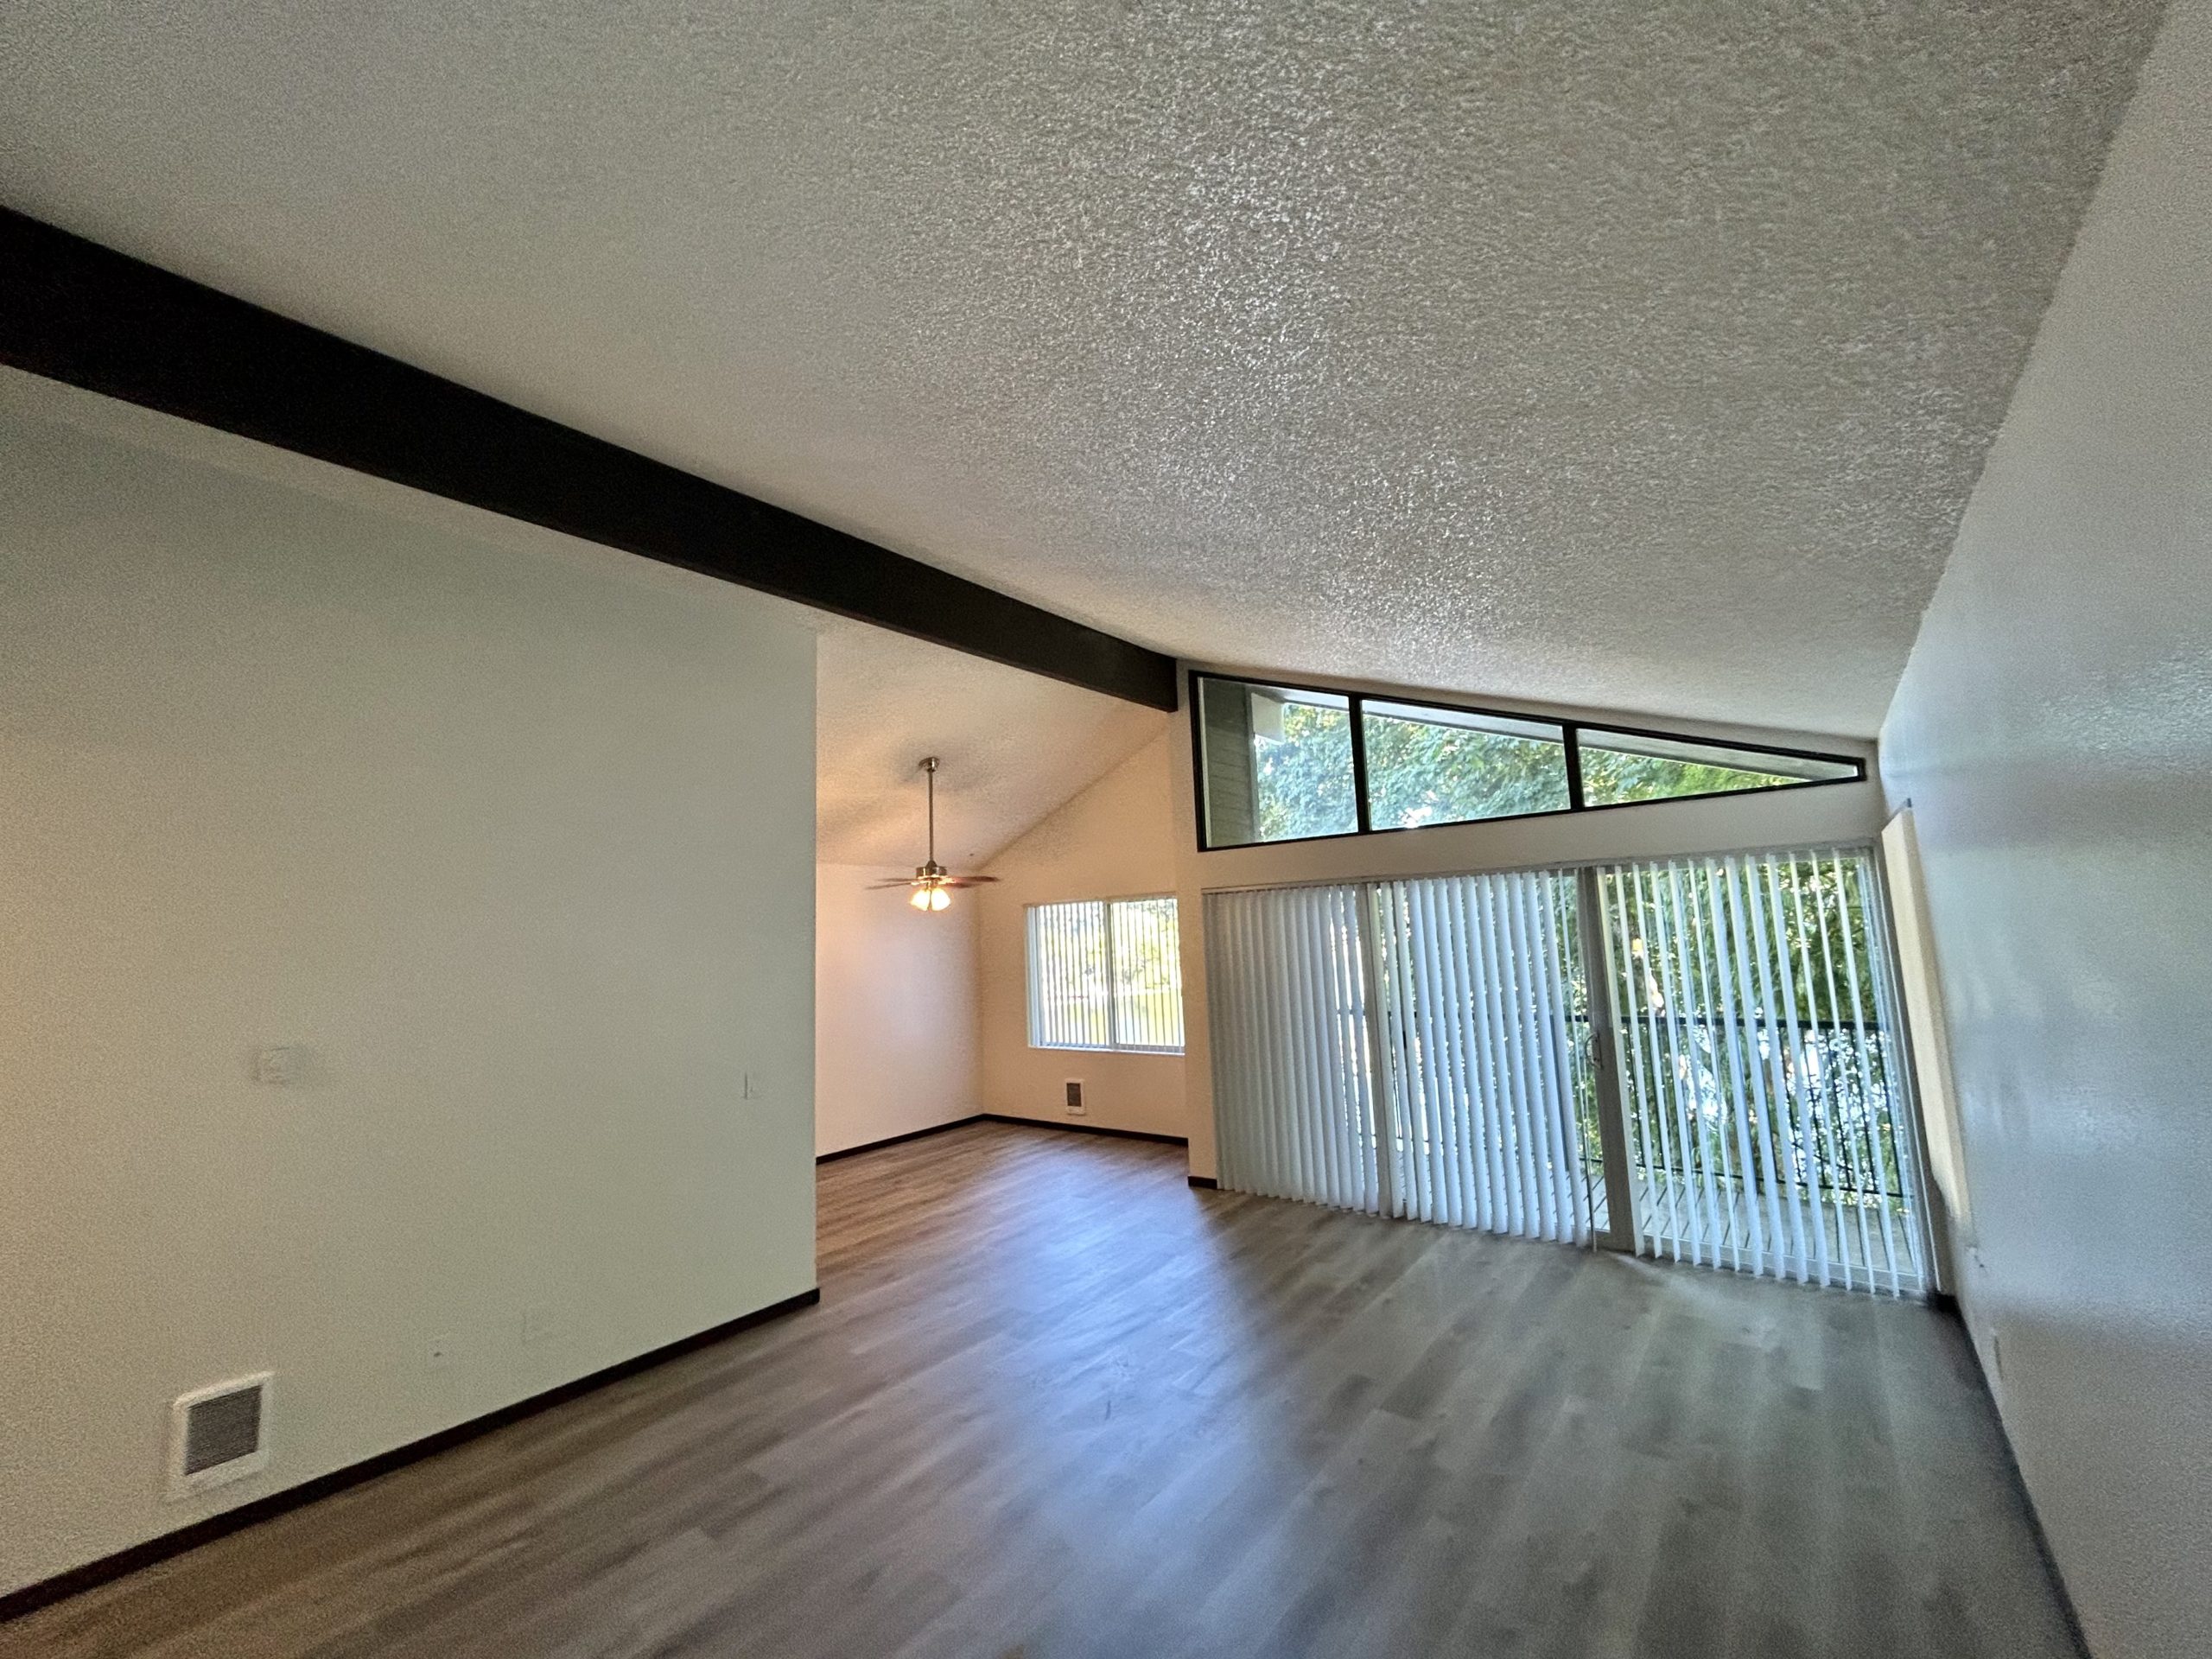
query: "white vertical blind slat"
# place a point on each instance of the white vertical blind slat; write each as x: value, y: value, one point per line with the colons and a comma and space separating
x: 1675, y: 1059
x: 1902, y: 1126
x: 1880, y: 1170
x: 1802, y: 1021
x: 1353, y: 1120
x: 1767, y: 1018
x: 1319, y: 1069
x: 1697, y: 1059
x: 1746, y: 1227
x: 1641, y: 1097
x: 1321, y: 1064
x: 1548, y: 1093
x: 1794, y: 921
x: 1839, y: 1138
x: 1531, y: 1115
x: 1497, y: 1007
x: 1550, y: 898
x: 1454, y: 990
x: 1427, y: 1086
x: 1290, y: 1065
x: 1486, y: 1040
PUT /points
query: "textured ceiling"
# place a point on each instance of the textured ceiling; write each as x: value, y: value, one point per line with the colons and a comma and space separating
x: 1013, y: 747
x: 1637, y: 354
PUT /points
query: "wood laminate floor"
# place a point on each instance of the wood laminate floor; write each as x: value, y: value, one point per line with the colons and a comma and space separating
x: 1055, y: 1402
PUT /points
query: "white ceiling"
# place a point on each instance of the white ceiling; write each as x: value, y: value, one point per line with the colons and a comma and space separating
x: 1012, y: 745
x: 1639, y: 355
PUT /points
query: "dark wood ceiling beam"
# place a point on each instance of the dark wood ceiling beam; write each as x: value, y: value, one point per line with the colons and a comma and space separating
x: 74, y: 311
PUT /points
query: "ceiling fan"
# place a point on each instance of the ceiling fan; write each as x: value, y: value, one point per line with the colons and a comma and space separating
x: 931, y: 884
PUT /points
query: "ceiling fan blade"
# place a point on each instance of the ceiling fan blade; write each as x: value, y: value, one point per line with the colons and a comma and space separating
x: 966, y: 880
x: 909, y: 882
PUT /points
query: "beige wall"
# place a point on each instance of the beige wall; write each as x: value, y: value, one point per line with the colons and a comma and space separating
x: 517, y: 848
x: 1115, y: 840
x: 2053, y: 732
x: 895, y: 1010
x: 1838, y: 812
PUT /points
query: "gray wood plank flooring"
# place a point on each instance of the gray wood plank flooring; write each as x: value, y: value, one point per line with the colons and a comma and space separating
x: 1056, y: 1403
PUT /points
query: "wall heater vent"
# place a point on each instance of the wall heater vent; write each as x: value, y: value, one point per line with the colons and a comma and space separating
x: 219, y: 1435
x: 1076, y: 1108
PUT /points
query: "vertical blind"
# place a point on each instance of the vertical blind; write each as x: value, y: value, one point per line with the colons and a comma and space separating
x: 1146, y: 946
x: 1070, y: 1000
x: 1486, y: 1067
x: 1405, y: 1047
x: 1422, y: 1048
x: 1762, y: 1079
x: 1295, y: 1072
x: 1105, y: 974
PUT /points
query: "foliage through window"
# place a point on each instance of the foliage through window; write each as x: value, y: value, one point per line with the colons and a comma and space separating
x: 1285, y: 758
x: 1439, y: 766
x: 1106, y: 974
x: 1620, y: 767
x: 1289, y: 763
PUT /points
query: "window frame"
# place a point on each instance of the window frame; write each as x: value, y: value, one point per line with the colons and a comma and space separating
x: 1570, y: 732
x: 1113, y: 1044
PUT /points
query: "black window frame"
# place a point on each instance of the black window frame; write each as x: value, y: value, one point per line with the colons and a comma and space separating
x: 1570, y: 738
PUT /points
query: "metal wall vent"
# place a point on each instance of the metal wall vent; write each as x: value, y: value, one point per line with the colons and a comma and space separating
x: 219, y: 1435
x: 1074, y: 1094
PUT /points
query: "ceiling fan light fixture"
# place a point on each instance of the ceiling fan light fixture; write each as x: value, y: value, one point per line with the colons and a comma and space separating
x: 931, y: 889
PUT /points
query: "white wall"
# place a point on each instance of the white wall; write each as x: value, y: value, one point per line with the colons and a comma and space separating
x: 895, y: 1011
x: 1115, y: 840
x: 2054, y: 735
x: 519, y: 848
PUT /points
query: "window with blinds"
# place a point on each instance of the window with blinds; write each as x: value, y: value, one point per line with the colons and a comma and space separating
x: 1428, y: 1048
x: 1106, y: 974
x: 1495, y: 1117
x: 1763, y: 1079
x: 1407, y: 1047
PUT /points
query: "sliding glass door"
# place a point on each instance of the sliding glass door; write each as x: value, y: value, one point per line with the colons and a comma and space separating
x: 1412, y: 1048
x: 1730, y: 1078
x: 1763, y: 1072
x: 1486, y: 1065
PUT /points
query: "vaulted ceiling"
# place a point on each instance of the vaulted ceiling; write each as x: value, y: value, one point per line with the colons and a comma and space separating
x: 1013, y: 747
x: 1638, y: 354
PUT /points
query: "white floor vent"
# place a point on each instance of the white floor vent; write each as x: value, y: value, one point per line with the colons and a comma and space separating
x: 219, y: 1435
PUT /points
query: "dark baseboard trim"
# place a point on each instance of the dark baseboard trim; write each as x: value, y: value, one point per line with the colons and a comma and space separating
x: 1206, y: 1181
x: 895, y: 1140
x: 32, y: 1596
x: 2073, y: 1614
x: 1081, y: 1129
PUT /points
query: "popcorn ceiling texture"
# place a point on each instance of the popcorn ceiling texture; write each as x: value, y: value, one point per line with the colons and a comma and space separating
x: 1636, y: 355
x: 1014, y: 747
